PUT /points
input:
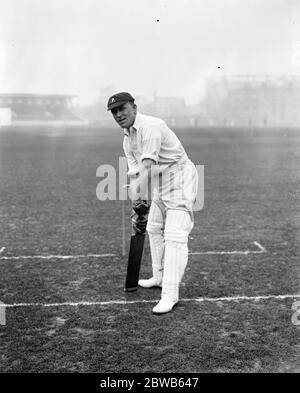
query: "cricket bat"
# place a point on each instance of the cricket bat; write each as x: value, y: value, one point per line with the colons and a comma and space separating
x: 134, y: 262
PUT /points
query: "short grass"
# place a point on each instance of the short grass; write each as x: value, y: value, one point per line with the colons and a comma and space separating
x: 49, y: 206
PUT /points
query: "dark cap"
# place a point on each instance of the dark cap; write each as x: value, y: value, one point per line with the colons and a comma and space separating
x: 118, y: 100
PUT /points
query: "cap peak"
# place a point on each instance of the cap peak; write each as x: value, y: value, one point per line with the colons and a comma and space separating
x: 119, y: 99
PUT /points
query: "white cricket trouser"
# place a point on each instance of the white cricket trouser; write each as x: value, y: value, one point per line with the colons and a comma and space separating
x: 169, y: 223
x: 155, y: 229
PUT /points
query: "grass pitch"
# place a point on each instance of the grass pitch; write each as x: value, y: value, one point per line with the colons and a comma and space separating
x: 49, y: 206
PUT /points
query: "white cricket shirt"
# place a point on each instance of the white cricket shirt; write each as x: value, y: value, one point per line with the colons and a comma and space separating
x: 150, y: 137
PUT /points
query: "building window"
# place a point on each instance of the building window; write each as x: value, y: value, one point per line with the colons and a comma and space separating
x: 20, y: 101
x: 29, y: 102
x: 39, y: 102
x: 1, y: 101
x: 9, y: 101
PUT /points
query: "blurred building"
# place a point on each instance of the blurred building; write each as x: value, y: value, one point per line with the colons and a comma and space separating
x: 171, y: 109
x: 233, y: 101
x: 167, y: 106
x: 96, y: 112
x: 38, y: 109
x: 253, y: 101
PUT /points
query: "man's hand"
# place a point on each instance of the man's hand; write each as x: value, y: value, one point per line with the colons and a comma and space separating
x: 141, y: 207
x: 133, y: 173
x: 139, y: 217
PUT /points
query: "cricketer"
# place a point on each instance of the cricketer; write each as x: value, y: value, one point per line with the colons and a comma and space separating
x: 150, y: 144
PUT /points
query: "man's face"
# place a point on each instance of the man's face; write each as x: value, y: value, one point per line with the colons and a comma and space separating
x: 125, y: 114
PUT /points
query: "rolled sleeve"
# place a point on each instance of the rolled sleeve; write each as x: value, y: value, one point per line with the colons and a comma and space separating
x: 151, y: 142
x: 131, y: 160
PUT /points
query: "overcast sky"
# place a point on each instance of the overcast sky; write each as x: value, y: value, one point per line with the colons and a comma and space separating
x: 81, y: 46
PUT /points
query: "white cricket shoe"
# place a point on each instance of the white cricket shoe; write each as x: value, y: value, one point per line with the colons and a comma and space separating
x: 150, y: 283
x: 165, y: 305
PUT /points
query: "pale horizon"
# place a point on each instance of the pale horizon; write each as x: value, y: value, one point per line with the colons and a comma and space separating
x: 167, y: 46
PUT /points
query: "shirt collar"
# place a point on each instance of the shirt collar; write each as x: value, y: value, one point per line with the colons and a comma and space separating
x: 136, y: 124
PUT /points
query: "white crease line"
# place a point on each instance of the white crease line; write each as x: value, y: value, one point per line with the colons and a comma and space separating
x: 260, y: 247
x: 58, y: 256
x: 2, y: 249
x: 124, y: 302
x: 225, y: 252
x: 261, y: 251
x: 47, y: 257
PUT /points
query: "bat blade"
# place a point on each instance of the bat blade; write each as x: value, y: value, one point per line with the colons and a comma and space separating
x: 134, y: 262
